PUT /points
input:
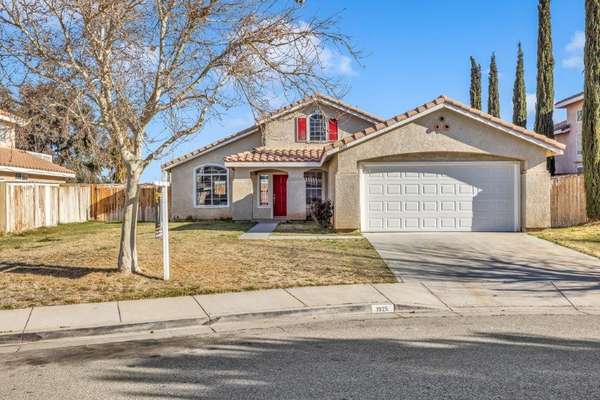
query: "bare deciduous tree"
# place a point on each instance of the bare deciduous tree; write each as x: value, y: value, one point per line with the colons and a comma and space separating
x: 173, y: 63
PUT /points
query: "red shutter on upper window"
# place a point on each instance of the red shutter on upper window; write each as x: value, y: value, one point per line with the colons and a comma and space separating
x: 301, y: 129
x: 332, y: 131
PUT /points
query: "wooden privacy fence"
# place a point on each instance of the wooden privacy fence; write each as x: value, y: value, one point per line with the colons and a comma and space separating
x: 74, y: 203
x: 108, y: 202
x: 567, y: 200
x: 25, y: 206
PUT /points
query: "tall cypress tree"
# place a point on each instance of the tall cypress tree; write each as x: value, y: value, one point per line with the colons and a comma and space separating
x: 475, y: 90
x: 493, y: 93
x: 519, y: 94
x: 591, y: 109
x: 545, y: 76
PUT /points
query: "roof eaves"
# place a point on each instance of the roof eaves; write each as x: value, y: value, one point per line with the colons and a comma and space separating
x: 442, y: 100
x: 209, y: 147
x: 318, y: 97
x: 569, y: 100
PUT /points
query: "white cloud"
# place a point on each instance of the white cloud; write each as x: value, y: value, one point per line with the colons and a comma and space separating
x: 575, y: 62
x: 577, y: 42
x: 339, y: 64
x: 530, y: 99
x: 574, y: 50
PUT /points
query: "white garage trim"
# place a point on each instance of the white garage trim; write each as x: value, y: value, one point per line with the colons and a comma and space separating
x: 516, y: 179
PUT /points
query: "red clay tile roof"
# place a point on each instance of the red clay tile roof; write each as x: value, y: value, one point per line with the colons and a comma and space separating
x: 438, y: 101
x: 264, y: 154
x: 22, y: 159
x: 562, y: 127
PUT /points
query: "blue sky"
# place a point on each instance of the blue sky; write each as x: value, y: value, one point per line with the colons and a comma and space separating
x: 417, y: 50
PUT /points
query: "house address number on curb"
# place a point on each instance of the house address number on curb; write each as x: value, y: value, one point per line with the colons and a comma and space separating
x: 382, y: 308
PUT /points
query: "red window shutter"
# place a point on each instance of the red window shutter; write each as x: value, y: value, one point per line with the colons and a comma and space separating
x: 332, y: 131
x: 301, y: 129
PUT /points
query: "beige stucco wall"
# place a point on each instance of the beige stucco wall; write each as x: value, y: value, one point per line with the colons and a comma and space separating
x: 331, y: 167
x: 281, y: 133
x: 182, y: 181
x: 466, y: 139
x: 567, y: 163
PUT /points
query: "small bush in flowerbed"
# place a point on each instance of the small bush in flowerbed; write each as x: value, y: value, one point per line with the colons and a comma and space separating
x: 322, y: 213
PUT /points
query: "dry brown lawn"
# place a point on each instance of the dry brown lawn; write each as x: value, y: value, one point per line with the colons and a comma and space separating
x: 583, y: 238
x: 75, y: 263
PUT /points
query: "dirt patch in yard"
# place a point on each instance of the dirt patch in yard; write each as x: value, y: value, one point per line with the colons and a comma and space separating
x: 75, y: 263
x: 583, y: 238
x: 307, y: 228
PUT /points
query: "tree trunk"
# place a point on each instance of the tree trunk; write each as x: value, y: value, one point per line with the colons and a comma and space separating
x: 128, y: 260
x: 591, y: 109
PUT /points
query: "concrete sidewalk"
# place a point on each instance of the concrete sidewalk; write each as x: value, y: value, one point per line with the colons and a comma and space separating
x: 211, y: 311
x: 261, y: 230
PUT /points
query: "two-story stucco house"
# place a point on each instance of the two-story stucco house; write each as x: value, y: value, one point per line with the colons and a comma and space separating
x: 20, y: 165
x: 442, y: 166
x: 568, y: 132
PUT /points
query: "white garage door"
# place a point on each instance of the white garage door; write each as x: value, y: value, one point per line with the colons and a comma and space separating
x: 449, y: 196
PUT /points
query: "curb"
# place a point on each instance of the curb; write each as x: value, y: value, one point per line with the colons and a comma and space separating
x: 30, y: 337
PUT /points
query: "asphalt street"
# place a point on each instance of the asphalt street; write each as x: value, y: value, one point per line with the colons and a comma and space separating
x: 509, y: 357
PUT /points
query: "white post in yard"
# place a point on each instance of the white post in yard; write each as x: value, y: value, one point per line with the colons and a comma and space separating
x: 164, y: 224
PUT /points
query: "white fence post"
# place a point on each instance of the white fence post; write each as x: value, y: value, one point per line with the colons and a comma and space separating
x: 164, y: 225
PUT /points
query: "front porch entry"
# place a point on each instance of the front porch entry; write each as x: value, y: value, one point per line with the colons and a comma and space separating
x: 276, y: 193
x: 280, y: 196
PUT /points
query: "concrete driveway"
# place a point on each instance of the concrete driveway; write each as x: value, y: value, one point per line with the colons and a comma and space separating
x: 478, y: 271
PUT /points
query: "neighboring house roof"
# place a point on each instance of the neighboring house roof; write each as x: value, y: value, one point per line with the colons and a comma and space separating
x: 266, y: 155
x: 562, y: 128
x: 11, y: 118
x: 318, y: 98
x: 569, y: 100
x: 15, y: 160
x: 439, y: 103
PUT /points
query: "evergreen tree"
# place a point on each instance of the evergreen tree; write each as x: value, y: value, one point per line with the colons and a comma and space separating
x: 475, y: 90
x: 545, y: 76
x: 493, y: 93
x: 519, y: 94
x: 591, y: 109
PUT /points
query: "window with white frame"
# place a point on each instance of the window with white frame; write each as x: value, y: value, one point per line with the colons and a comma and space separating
x: 314, y: 188
x: 579, y: 143
x: 317, y: 127
x: 263, y: 190
x: 579, y: 115
x: 211, y: 186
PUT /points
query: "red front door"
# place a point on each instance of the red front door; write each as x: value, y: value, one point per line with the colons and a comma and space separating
x: 279, y: 195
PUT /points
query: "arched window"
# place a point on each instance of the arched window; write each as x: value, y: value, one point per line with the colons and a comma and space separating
x: 212, y: 182
x: 318, y: 129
